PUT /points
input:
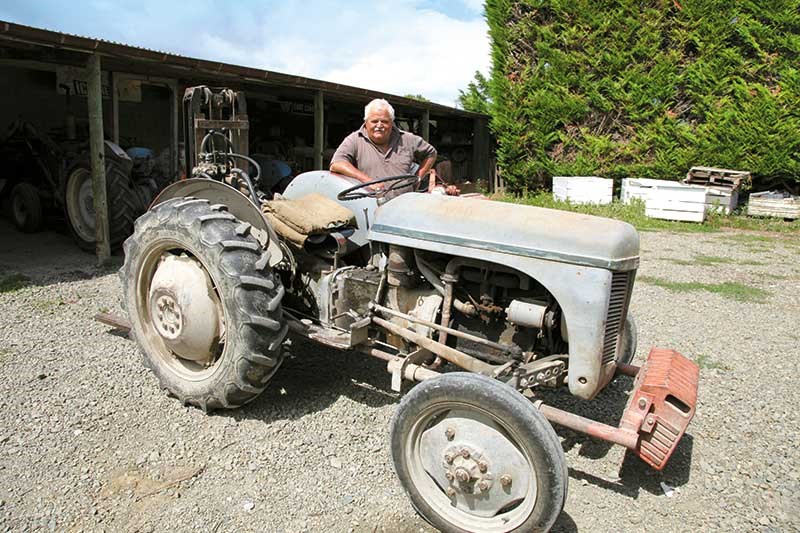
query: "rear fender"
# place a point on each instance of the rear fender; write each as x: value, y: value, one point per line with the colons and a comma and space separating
x: 238, y: 205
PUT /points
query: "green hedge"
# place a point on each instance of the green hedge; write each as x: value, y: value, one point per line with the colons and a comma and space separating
x: 646, y: 88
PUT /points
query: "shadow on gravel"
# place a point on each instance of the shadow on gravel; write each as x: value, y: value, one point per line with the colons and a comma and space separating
x: 565, y: 524
x: 634, y: 474
x: 314, y: 377
x: 46, y: 258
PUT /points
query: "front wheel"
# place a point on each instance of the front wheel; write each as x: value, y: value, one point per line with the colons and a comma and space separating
x: 475, y: 455
x: 204, y: 303
x: 627, y: 345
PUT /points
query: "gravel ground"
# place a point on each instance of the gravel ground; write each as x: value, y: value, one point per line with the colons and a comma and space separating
x: 89, y: 443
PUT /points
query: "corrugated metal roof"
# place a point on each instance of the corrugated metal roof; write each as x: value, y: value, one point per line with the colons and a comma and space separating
x: 55, y: 39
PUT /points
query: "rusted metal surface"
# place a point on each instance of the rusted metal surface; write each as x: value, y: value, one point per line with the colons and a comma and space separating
x: 115, y: 321
x: 662, y: 404
x: 454, y: 332
x: 628, y: 370
x: 660, y: 408
x: 452, y: 355
x: 595, y: 429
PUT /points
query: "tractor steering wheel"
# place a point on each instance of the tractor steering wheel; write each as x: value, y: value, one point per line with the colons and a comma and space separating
x: 400, y: 182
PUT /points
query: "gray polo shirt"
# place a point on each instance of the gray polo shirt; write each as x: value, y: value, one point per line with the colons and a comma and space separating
x: 405, y: 149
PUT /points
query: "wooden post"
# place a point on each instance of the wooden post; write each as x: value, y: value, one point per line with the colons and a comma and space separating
x: 480, y: 149
x: 319, y: 129
x: 115, y: 106
x: 98, y: 159
x: 426, y: 125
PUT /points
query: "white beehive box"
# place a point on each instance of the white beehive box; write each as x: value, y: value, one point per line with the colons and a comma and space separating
x: 774, y: 204
x: 671, y: 200
x: 637, y: 188
x: 722, y: 199
x: 583, y: 189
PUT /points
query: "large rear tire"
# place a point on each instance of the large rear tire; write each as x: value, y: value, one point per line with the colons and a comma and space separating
x: 475, y: 455
x: 120, y: 196
x: 204, y: 304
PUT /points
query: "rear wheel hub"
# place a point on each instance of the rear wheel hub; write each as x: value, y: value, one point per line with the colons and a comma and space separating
x: 185, y: 309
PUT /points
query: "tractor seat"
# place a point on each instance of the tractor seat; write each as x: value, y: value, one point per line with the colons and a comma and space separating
x: 312, y: 215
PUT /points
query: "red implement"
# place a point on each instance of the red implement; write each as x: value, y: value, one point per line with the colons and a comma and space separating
x: 659, y: 410
x: 662, y: 404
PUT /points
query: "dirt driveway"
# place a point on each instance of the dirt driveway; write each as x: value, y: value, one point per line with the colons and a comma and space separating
x: 89, y: 443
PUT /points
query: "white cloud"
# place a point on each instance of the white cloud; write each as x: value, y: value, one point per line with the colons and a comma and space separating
x: 425, y: 53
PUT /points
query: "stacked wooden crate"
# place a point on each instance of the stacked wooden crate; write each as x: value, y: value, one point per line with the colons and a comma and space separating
x: 583, y: 189
x: 667, y: 200
x: 723, y: 185
x: 774, y: 204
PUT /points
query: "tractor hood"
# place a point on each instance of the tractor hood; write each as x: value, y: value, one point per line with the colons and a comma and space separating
x: 508, y: 228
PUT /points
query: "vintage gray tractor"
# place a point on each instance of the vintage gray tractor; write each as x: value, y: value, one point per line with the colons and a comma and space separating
x: 485, y: 303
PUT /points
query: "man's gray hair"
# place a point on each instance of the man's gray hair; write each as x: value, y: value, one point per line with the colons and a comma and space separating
x: 377, y: 104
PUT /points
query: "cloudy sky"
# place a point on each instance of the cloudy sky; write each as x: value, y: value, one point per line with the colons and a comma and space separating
x: 427, y: 47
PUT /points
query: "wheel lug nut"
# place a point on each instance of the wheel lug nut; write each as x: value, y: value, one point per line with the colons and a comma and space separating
x: 449, y: 476
x: 483, y: 486
x: 505, y: 480
x: 462, y: 475
x: 448, y: 457
x: 483, y: 465
x: 450, y: 433
x: 465, y: 453
x: 450, y: 491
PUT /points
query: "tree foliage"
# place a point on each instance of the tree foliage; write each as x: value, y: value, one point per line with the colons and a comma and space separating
x: 417, y: 97
x: 645, y: 88
x: 476, y: 97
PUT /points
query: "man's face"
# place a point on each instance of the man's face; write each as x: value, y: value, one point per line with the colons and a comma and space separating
x: 379, y: 126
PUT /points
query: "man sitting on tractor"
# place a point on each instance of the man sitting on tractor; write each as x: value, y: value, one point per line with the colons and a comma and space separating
x: 379, y: 149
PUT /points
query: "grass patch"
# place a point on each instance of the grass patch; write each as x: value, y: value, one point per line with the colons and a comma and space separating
x: 705, y: 362
x: 47, y: 305
x: 773, y: 276
x: 728, y: 289
x: 711, y: 260
x: 14, y: 282
x: 750, y: 238
x: 633, y: 214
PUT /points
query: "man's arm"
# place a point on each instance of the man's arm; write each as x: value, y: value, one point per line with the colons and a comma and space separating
x: 425, y: 153
x: 343, y: 161
x: 426, y: 166
x: 346, y: 168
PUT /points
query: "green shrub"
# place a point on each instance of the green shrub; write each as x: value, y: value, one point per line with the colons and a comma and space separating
x: 645, y: 89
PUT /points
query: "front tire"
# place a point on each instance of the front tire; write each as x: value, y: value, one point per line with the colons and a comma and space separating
x: 630, y: 337
x: 204, y: 304
x: 475, y: 455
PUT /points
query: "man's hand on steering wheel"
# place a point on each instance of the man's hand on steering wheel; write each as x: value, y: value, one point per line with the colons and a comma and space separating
x: 378, y: 187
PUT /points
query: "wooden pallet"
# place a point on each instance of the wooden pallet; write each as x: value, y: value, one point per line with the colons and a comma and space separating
x: 719, y: 177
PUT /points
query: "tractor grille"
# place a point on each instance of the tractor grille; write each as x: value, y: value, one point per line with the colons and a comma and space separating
x: 617, y: 311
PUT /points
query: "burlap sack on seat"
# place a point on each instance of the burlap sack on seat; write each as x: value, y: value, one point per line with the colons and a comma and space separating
x: 312, y: 214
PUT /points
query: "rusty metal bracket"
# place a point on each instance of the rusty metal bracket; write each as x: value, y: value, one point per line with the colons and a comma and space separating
x: 399, y: 370
x: 115, y: 321
x: 658, y: 412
